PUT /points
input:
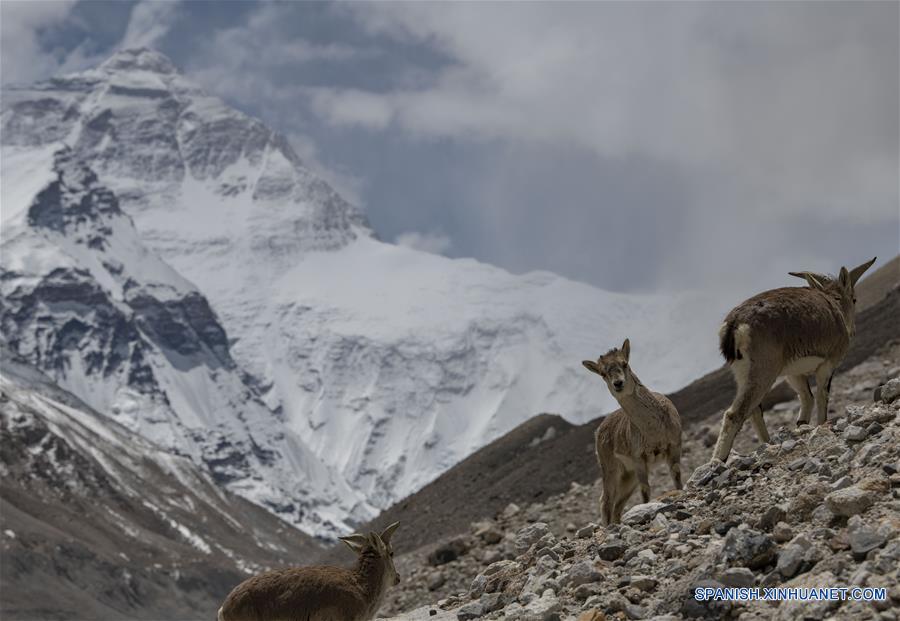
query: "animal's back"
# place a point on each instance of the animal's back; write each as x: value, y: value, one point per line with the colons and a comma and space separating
x: 794, y: 316
x: 307, y: 593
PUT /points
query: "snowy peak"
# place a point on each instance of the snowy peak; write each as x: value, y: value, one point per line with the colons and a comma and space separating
x: 139, y: 59
x: 160, y: 142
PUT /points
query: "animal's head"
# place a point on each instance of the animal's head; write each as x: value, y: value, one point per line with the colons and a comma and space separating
x: 377, y: 546
x: 613, y: 368
x: 843, y: 287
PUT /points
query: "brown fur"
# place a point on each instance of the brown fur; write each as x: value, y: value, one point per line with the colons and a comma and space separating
x: 318, y: 593
x: 629, y: 441
x: 804, y: 321
x: 792, y: 332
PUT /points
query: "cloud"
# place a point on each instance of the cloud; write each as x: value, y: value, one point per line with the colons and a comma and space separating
x: 23, y: 55
x: 434, y: 243
x: 794, y: 103
x: 351, y: 107
x: 150, y: 21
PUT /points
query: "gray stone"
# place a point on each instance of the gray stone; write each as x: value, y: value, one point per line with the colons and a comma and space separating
x: 849, y: 501
x: 738, y: 577
x: 842, y: 483
x: 862, y: 537
x: 528, y: 535
x: 790, y: 559
x: 705, y: 473
x: 510, y: 510
x: 491, y: 602
x: 782, y: 532
x: 544, y: 608
x: 611, y: 550
x: 581, y: 573
x: 889, y: 391
x: 855, y: 434
x: 472, y: 610
x: 584, y: 591
x: 647, y: 555
x: 644, y: 583
x: 748, y: 548
x: 436, y: 581
x: 771, y: 517
x: 820, y: 438
x: 586, y: 531
x: 797, y: 464
x: 639, y: 514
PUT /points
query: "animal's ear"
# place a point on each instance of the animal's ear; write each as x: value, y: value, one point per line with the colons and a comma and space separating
x: 590, y: 365
x: 815, y: 281
x: 844, y: 279
x: 859, y: 270
x: 626, y: 349
x: 388, y: 532
x: 355, y: 542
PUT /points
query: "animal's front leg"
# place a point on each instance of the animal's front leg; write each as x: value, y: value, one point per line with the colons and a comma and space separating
x: 674, y: 461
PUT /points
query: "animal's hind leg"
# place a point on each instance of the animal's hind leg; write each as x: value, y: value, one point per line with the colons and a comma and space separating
x: 643, y: 476
x: 823, y: 391
x: 751, y: 389
x: 626, y: 489
x: 760, y: 425
x: 606, y: 507
x: 801, y: 386
x: 612, y: 475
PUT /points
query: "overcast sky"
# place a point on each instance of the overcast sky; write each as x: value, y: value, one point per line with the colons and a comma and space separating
x: 635, y: 146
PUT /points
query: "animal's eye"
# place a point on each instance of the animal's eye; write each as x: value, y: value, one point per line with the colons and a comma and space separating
x: 854, y: 300
x: 624, y: 365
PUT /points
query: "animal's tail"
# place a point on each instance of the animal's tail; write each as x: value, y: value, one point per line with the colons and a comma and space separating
x: 733, y: 339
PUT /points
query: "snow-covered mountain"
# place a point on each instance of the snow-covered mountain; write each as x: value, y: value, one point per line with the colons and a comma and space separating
x: 387, y: 364
x: 84, y: 300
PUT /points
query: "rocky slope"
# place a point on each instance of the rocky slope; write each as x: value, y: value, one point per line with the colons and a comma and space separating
x: 544, y: 455
x: 99, y: 523
x: 817, y: 507
x: 389, y: 364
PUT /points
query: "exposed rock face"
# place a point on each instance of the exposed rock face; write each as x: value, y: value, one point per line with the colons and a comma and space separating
x: 706, y: 536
